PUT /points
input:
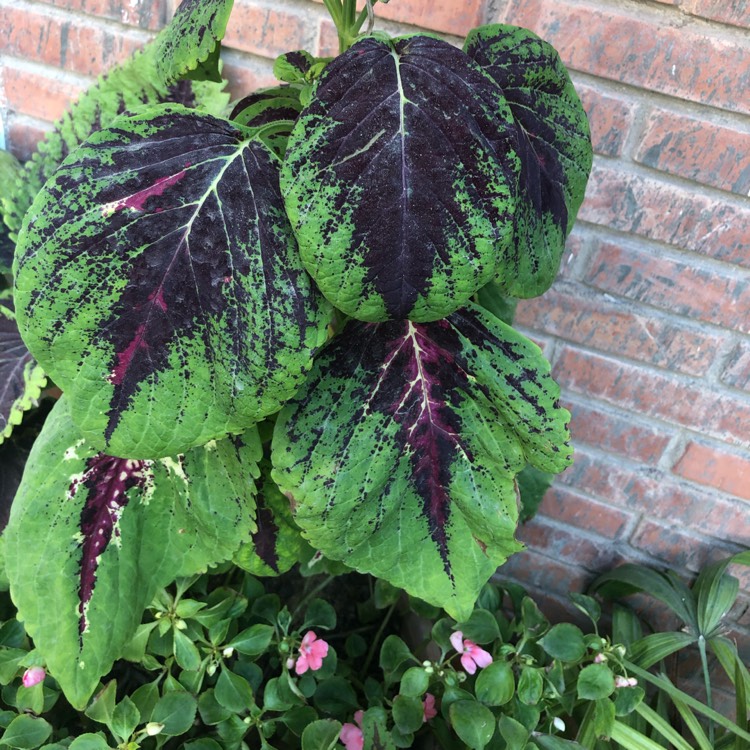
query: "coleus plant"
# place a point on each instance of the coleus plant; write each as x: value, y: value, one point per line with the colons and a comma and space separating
x: 287, y: 294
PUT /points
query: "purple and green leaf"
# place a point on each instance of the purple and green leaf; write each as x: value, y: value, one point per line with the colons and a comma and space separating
x: 189, y: 44
x: 129, y: 87
x: 158, y: 280
x: 92, y: 537
x: 21, y: 378
x: 276, y: 544
x: 400, y: 453
x: 554, y: 145
x: 400, y: 180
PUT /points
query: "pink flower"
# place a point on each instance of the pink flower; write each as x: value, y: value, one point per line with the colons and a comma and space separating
x: 312, y: 651
x: 472, y: 656
x: 351, y: 734
x: 430, y: 712
x: 33, y: 676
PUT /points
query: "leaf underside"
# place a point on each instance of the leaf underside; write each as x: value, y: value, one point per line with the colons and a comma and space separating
x: 126, y: 88
x: 181, y: 311
x: 554, y: 145
x: 21, y: 378
x: 12, y: 461
x: 401, y: 451
x: 400, y: 179
x: 91, y: 538
x: 191, y: 40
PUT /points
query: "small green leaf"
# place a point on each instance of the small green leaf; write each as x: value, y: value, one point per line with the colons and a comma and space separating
x: 89, y: 742
x: 394, y: 654
x: 253, y: 640
x: 408, y: 713
x: 588, y: 605
x: 604, y: 717
x: 336, y: 696
x: 26, y: 732
x: 481, y: 627
x: 321, y: 735
x: 515, y: 734
x: 186, y: 654
x: 473, y: 723
x: 595, y: 681
x: 530, y: 686
x: 495, y: 684
x: 319, y: 614
x: 176, y: 711
x: 210, y: 710
x: 565, y: 642
x: 233, y: 692
x: 125, y: 718
x: 145, y: 698
x: 627, y: 698
x: 292, y: 67
x: 414, y: 682
x: 202, y: 744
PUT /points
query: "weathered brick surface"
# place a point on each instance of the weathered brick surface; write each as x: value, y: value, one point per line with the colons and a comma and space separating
x: 647, y: 327
x: 643, y: 50
x: 686, y: 217
x: 698, y: 150
x: 716, y: 467
x: 715, y: 295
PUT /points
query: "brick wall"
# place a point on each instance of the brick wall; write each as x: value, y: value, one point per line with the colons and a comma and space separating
x: 648, y: 327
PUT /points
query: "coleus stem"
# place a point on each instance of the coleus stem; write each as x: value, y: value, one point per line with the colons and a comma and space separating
x: 347, y: 21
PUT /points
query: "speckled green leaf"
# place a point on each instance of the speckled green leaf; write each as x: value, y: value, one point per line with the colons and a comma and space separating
x: 192, y: 39
x: 21, y: 378
x: 91, y: 538
x: 126, y: 88
x: 159, y: 284
x: 292, y: 67
x: 400, y: 179
x: 278, y: 105
x: 401, y: 451
x: 9, y: 171
x: 276, y: 544
x: 554, y: 145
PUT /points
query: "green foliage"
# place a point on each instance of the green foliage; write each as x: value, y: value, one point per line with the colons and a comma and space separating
x: 184, y: 278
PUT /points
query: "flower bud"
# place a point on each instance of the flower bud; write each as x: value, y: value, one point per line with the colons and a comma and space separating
x: 559, y: 724
x: 290, y: 662
x: 600, y: 659
x: 180, y: 624
x: 33, y: 676
x: 211, y: 669
x: 228, y: 652
x: 153, y: 728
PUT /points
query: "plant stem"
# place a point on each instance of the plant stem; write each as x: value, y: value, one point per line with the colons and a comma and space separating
x: 707, y: 682
x: 311, y: 594
x: 376, y: 640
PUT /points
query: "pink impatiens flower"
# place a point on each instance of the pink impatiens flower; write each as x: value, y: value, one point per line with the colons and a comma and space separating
x: 351, y: 734
x: 312, y: 651
x: 430, y: 712
x: 33, y: 676
x: 472, y: 656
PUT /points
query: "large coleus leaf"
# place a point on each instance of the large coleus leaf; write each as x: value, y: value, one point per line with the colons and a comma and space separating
x: 276, y: 544
x: 400, y: 179
x: 91, y: 538
x: 400, y: 453
x: 21, y: 378
x: 159, y: 284
x: 189, y: 44
x: 554, y: 145
x: 126, y: 88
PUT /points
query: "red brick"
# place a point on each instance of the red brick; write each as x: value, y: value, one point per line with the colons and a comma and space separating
x: 652, y: 393
x: 245, y: 78
x: 53, y: 92
x: 668, y: 213
x: 736, y: 12
x: 23, y: 136
x: 610, y: 119
x: 613, y: 326
x: 683, y: 288
x: 327, y: 43
x: 642, y: 50
x: 67, y: 43
x: 737, y: 369
x: 617, y: 435
x: 268, y: 32
x: 532, y: 567
x: 448, y: 16
x: 669, y: 543
x: 562, y: 504
x: 698, y: 150
x: 645, y: 489
x: 148, y: 14
x: 716, y: 467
